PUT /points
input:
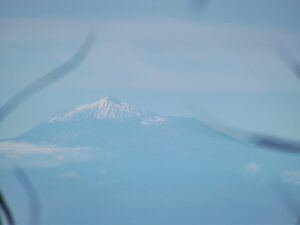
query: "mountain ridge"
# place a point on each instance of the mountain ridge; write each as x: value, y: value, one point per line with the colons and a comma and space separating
x: 110, y: 123
x: 108, y: 108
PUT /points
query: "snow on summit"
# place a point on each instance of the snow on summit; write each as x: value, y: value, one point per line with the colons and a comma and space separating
x: 108, y: 108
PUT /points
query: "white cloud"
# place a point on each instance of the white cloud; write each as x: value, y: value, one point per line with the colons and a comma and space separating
x: 252, y: 168
x: 70, y: 175
x: 292, y: 177
x: 28, y: 154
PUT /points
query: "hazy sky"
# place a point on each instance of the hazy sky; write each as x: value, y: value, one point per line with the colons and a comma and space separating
x: 169, y: 57
x: 163, y: 56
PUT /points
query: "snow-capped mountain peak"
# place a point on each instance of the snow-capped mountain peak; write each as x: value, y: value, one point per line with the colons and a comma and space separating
x: 108, y: 108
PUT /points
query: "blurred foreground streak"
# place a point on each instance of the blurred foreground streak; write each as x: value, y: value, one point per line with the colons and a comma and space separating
x: 37, y: 85
x: 290, y: 61
x: 259, y: 140
x: 253, y: 138
x: 288, y: 201
x: 247, y: 137
x: 34, y: 202
x: 48, y: 79
x: 5, y: 210
x: 262, y: 140
x: 266, y: 141
x: 198, y: 5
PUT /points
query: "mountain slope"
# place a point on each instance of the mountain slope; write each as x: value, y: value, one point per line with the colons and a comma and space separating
x: 173, y: 170
x: 109, y: 123
x: 107, y: 108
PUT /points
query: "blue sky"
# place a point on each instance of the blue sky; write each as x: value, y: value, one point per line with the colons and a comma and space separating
x: 162, y: 56
x: 166, y: 57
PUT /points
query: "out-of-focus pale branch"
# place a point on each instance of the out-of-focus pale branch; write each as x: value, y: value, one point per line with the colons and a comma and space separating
x: 48, y: 79
x: 35, y: 206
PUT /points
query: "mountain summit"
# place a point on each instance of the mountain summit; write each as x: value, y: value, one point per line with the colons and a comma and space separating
x: 108, y: 108
x: 111, y: 124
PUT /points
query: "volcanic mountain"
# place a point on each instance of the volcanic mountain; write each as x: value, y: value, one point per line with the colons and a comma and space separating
x: 112, y: 163
x: 110, y: 123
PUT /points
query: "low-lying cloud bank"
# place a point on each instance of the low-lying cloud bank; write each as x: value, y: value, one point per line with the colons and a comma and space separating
x: 252, y: 168
x: 32, y: 155
x: 292, y: 177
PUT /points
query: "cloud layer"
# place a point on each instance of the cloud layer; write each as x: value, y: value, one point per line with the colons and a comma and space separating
x: 27, y: 154
x: 252, y: 168
x: 292, y: 177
